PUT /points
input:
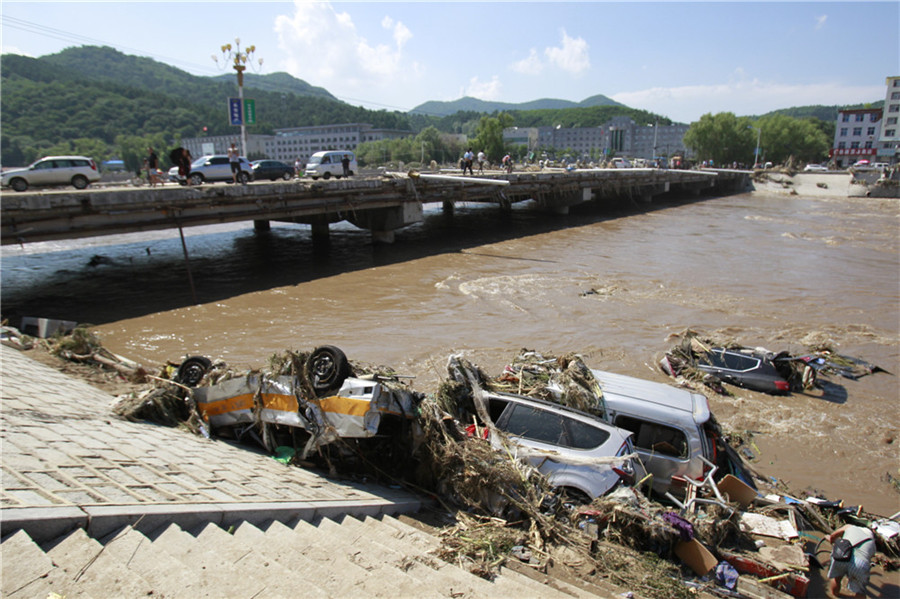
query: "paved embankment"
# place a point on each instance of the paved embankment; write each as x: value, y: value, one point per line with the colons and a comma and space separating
x: 94, y: 506
x: 68, y: 462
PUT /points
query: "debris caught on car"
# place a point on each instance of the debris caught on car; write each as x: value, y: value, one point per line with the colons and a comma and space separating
x: 696, y: 360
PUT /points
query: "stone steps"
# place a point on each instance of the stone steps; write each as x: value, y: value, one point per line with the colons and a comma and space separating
x: 343, y: 557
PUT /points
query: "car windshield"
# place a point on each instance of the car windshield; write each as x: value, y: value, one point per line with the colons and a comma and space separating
x: 200, y: 161
x: 315, y: 159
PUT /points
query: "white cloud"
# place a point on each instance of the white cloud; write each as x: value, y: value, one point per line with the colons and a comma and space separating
x: 820, y: 21
x: 324, y: 48
x: 743, y: 98
x: 483, y: 90
x: 14, y: 50
x: 572, y: 56
x: 531, y: 65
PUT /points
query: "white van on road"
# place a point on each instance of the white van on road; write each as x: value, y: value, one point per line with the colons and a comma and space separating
x: 329, y: 164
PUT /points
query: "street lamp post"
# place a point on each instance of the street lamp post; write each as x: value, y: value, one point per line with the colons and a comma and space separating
x: 756, y: 154
x: 239, y: 60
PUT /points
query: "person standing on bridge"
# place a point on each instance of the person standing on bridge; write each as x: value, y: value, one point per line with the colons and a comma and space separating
x: 345, y: 163
x: 234, y: 159
x: 481, y: 159
x: 468, y: 158
x: 152, y: 165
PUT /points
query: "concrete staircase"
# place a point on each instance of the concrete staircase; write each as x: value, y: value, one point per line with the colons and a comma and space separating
x: 348, y: 557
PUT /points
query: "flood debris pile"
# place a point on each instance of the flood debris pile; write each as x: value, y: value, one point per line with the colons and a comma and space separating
x: 700, y: 362
x: 531, y: 465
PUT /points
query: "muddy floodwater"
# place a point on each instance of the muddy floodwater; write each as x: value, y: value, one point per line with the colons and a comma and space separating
x: 782, y: 272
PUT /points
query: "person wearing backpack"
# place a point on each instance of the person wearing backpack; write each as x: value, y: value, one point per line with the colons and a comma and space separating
x: 851, y: 556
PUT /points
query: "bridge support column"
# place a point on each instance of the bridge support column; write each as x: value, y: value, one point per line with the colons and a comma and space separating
x: 262, y: 226
x: 384, y: 221
x: 447, y: 207
x: 320, y: 234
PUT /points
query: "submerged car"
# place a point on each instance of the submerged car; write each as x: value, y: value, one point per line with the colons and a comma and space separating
x: 579, y: 454
x: 77, y: 171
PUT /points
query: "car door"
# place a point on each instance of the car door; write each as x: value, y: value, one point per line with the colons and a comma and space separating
x: 45, y: 172
x: 537, y: 429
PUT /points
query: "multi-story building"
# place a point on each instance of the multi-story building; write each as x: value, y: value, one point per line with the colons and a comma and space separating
x: 620, y: 136
x: 296, y: 142
x: 889, y: 140
x: 302, y: 142
x: 219, y: 144
x: 855, y: 135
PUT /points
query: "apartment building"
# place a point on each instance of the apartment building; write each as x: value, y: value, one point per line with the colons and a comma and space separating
x: 889, y: 140
x: 620, y: 136
x: 855, y: 136
x: 302, y: 142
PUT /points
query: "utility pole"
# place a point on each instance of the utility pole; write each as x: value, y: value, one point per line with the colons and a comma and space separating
x: 239, y: 60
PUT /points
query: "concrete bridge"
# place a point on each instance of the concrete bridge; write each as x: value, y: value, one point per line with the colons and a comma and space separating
x: 381, y: 204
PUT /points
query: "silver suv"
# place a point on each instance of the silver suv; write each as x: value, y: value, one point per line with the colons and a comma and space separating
x: 78, y: 171
x: 576, y: 451
x: 213, y: 168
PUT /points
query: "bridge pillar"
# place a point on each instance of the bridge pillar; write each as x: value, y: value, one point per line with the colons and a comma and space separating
x: 384, y: 221
x: 320, y: 233
x: 262, y: 226
x: 447, y: 207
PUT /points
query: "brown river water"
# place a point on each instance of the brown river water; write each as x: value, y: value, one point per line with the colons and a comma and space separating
x: 780, y: 272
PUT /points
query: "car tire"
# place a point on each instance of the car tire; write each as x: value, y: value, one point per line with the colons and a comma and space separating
x: 196, y: 179
x: 350, y: 173
x: 192, y: 371
x: 285, y: 176
x: 19, y: 184
x: 326, y: 176
x: 326, y: 369
x: 79, y: 182
x: 574, y: 496
x: 243, y: 178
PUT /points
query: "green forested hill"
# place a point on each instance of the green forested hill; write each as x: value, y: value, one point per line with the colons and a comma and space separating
x: 85, y: 99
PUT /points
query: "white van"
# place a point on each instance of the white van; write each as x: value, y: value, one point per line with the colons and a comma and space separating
x: 329, y: 164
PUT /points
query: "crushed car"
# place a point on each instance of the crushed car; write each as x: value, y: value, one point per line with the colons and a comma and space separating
x: 758, y: 369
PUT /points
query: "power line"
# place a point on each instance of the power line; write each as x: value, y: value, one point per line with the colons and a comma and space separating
x: 67, y: 36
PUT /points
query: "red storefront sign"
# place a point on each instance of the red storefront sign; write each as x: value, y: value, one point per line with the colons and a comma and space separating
x: 851, y: 152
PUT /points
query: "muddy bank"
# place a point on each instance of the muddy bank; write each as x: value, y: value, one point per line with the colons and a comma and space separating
x: 837, y: 184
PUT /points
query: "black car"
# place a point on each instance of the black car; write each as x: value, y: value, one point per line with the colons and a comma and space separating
x: 746, y: 368
x: 272, y: 169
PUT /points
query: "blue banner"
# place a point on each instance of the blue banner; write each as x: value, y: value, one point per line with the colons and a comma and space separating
x: 235, y: 111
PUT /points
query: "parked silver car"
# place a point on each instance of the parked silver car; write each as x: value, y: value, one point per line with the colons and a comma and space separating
x: 577, y: 452
x: 78, y: 171
x: 213, y: 168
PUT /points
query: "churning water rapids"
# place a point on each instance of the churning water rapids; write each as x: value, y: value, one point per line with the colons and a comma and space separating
x: 781, y: 272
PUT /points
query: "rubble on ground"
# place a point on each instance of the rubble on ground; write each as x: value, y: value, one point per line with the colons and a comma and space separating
x: 713, y: 538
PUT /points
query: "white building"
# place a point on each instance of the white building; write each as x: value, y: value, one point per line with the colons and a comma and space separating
x: 855, y: 135
x: 219, y: 144
x: 889, y: 140
x: 620, y: 136
x: 302, y: 142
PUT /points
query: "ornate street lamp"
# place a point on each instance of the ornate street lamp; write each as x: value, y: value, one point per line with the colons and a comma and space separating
x: 239, y: 60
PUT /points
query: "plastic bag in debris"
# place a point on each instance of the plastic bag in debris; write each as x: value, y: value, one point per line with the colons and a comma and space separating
x: 726, y: 575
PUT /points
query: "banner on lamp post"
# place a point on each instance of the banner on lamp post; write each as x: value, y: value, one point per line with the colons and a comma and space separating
x: 249, y: 112
x: 235, y: 111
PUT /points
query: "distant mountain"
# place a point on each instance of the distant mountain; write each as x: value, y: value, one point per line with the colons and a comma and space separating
x: 280, y: 83
x: 469, y: 104
x: 823, y: 113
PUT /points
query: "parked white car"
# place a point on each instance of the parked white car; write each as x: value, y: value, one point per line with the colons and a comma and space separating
x: 815, y: 168
x: 77, y: 171
x: 213, y: 168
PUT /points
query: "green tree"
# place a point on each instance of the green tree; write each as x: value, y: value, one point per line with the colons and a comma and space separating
x: 489, y: 136
x: 785, y: 137
x: 723, y: 138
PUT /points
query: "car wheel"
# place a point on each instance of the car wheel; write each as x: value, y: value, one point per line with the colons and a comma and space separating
x: 19, y: 184
x: 286, y: 176
x: 350, y: 173
x: 192, y: 371
x: 326, y: 176
x: 243, y: 178
x: 79, y: 181
x: 196, y: 179
x: 326, y: 369
x: 574, y: 496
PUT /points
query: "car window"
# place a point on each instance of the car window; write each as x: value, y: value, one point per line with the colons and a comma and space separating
x: 62, y: 163
x: 80, y: 163
x: 582, y: 435
x: 740, y: 362
x: 654, y: 437
x: 536, y: 424
x: 45, y: 165
x: 220, y: 160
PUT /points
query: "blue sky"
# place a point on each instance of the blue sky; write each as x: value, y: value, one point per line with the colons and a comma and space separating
x: 678, y: 59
